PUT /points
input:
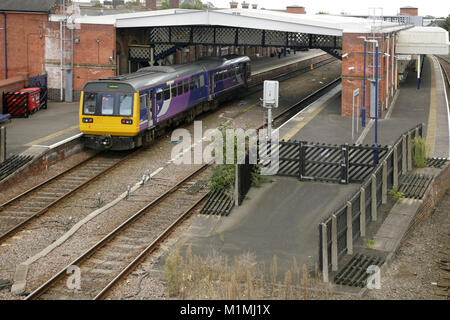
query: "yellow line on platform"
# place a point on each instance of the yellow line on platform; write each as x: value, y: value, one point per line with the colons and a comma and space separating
x: 431, y: 127
x: 306, y: 120
x: 51, y: 136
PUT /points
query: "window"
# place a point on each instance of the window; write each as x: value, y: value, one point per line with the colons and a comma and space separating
x: 180, y: 87
x: 173, y: 88
x: 90, y: 102
x: 186, y: 85
x: 159, y: 95
x: 166, y: 93
x: 126, y: 104
x: 108, y: 104
x: 192, y: 84
x: 143, y: 101
x: 202, y: 80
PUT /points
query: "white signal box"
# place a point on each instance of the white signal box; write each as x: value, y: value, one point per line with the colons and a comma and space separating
x: 271, y: 94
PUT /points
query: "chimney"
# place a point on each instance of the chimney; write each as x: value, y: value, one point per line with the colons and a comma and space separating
x: 150, y: 4
x: 295, y: 9
x: 233, y: 4
x: 245, y: 5
x: 255, y: 6
x: 412, y: 11
x: 173, y: 4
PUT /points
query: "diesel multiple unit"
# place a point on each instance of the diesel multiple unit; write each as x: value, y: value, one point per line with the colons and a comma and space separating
x: 124, y: 112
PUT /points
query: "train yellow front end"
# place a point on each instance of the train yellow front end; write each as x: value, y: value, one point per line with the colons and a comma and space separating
x: 109, y: 116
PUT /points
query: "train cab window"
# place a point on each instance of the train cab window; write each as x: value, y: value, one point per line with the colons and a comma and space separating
x: 173, y: 88
x: 126, y: 104
x: 186, y: 85
x: 166, y: 93
x: 90, y: 102
x: 108, y: 104
x: 180, y: 88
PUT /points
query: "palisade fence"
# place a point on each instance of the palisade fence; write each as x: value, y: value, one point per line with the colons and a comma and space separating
x: 339, y: 231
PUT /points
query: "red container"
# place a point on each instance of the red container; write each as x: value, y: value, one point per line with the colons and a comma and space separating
x: 33, y: 98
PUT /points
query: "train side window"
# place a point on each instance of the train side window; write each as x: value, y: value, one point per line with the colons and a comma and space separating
x: 107, y: 104
x: 192, y: 84
x: 90, y: 102
x: 202, y: 80
x: 173, y: 88
x: 186, y: 85
x: 159, y: 94
x: 143, y: 101
x: 180, y: 87
x: 166, y: 93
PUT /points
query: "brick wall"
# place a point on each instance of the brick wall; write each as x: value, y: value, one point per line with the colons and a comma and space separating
x: 410, y: 11
x: 438, y: 188
x: 94, y: 54
x: 25, y: 43
x: 353, y: 78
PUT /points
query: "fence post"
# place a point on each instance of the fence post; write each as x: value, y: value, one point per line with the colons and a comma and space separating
x: 384, y: 184
x: 344, y: 164
x: 324, y: 253
x: 236, y: 185
x: 409, y: 152
x: 334, y: 250
x: 404, y: 155
x: 395, y: 169
x: 362, y: 217
x: 416, y: 132
x: 349, y: 228
x: 373, y: 195
x: 2, y: 144
x: 301, y: 164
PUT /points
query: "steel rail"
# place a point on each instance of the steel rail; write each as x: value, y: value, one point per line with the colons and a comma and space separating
x: 20, y: 225
x: 39, y: 291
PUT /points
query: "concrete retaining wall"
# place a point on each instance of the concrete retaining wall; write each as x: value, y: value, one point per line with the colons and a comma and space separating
x: 43, y: 161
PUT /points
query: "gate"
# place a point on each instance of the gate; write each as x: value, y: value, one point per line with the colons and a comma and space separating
x: 328, y: 163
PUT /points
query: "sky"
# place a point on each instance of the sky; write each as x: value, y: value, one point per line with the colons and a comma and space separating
x: 438, y: 8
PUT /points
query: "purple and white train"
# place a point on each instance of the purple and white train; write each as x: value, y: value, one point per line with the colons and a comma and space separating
x: 125, y: 112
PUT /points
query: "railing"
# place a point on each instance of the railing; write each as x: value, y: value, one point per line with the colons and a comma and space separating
x: 349, y: 222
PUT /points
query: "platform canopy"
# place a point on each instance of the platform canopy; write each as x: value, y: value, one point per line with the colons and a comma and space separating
x: 242, y: 18
x: 423, y: 40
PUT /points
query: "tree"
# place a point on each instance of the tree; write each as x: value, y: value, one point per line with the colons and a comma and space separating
x: 446, y: 23
x: 164, y: 5
x: 198, y: 4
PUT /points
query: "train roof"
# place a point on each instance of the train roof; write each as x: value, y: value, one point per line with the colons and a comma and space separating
x: 150, y: 76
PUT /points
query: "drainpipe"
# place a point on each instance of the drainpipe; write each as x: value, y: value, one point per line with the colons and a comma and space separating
x: 6, y: 47
x: 387, y: 74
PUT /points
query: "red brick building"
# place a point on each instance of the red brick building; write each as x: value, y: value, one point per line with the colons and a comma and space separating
x: 22, y: 38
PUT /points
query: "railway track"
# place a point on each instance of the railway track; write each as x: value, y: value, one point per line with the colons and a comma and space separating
x: 114, y: 256
x: 445, y: 64
x: 17, y: 212
x: 119, y: 252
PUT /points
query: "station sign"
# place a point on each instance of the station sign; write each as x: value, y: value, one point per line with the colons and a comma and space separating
x: 406, y: 57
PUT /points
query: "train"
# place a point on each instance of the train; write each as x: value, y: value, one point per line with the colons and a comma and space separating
x: 127, y: 111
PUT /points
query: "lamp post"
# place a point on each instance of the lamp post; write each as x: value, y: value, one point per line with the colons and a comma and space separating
x: 375, y: 154
x: 363, y: 111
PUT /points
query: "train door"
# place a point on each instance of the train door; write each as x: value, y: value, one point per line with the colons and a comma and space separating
x: 151, y: 107
x: 211, y: 85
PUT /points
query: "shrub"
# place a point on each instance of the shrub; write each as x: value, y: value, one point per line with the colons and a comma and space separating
x: 419, y: 152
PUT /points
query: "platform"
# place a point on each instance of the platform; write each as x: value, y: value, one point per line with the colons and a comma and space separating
x: 281, y: 218
x: 60, y: 120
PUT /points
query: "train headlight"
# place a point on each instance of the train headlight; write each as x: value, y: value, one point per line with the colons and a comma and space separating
x: 88, y: 120
x: 127, y: 121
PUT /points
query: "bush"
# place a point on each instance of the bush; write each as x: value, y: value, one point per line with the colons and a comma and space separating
x: 419, y: 152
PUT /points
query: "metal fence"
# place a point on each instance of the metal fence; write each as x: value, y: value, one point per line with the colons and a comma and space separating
x: 339, y: 231
x: 328, y: 163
